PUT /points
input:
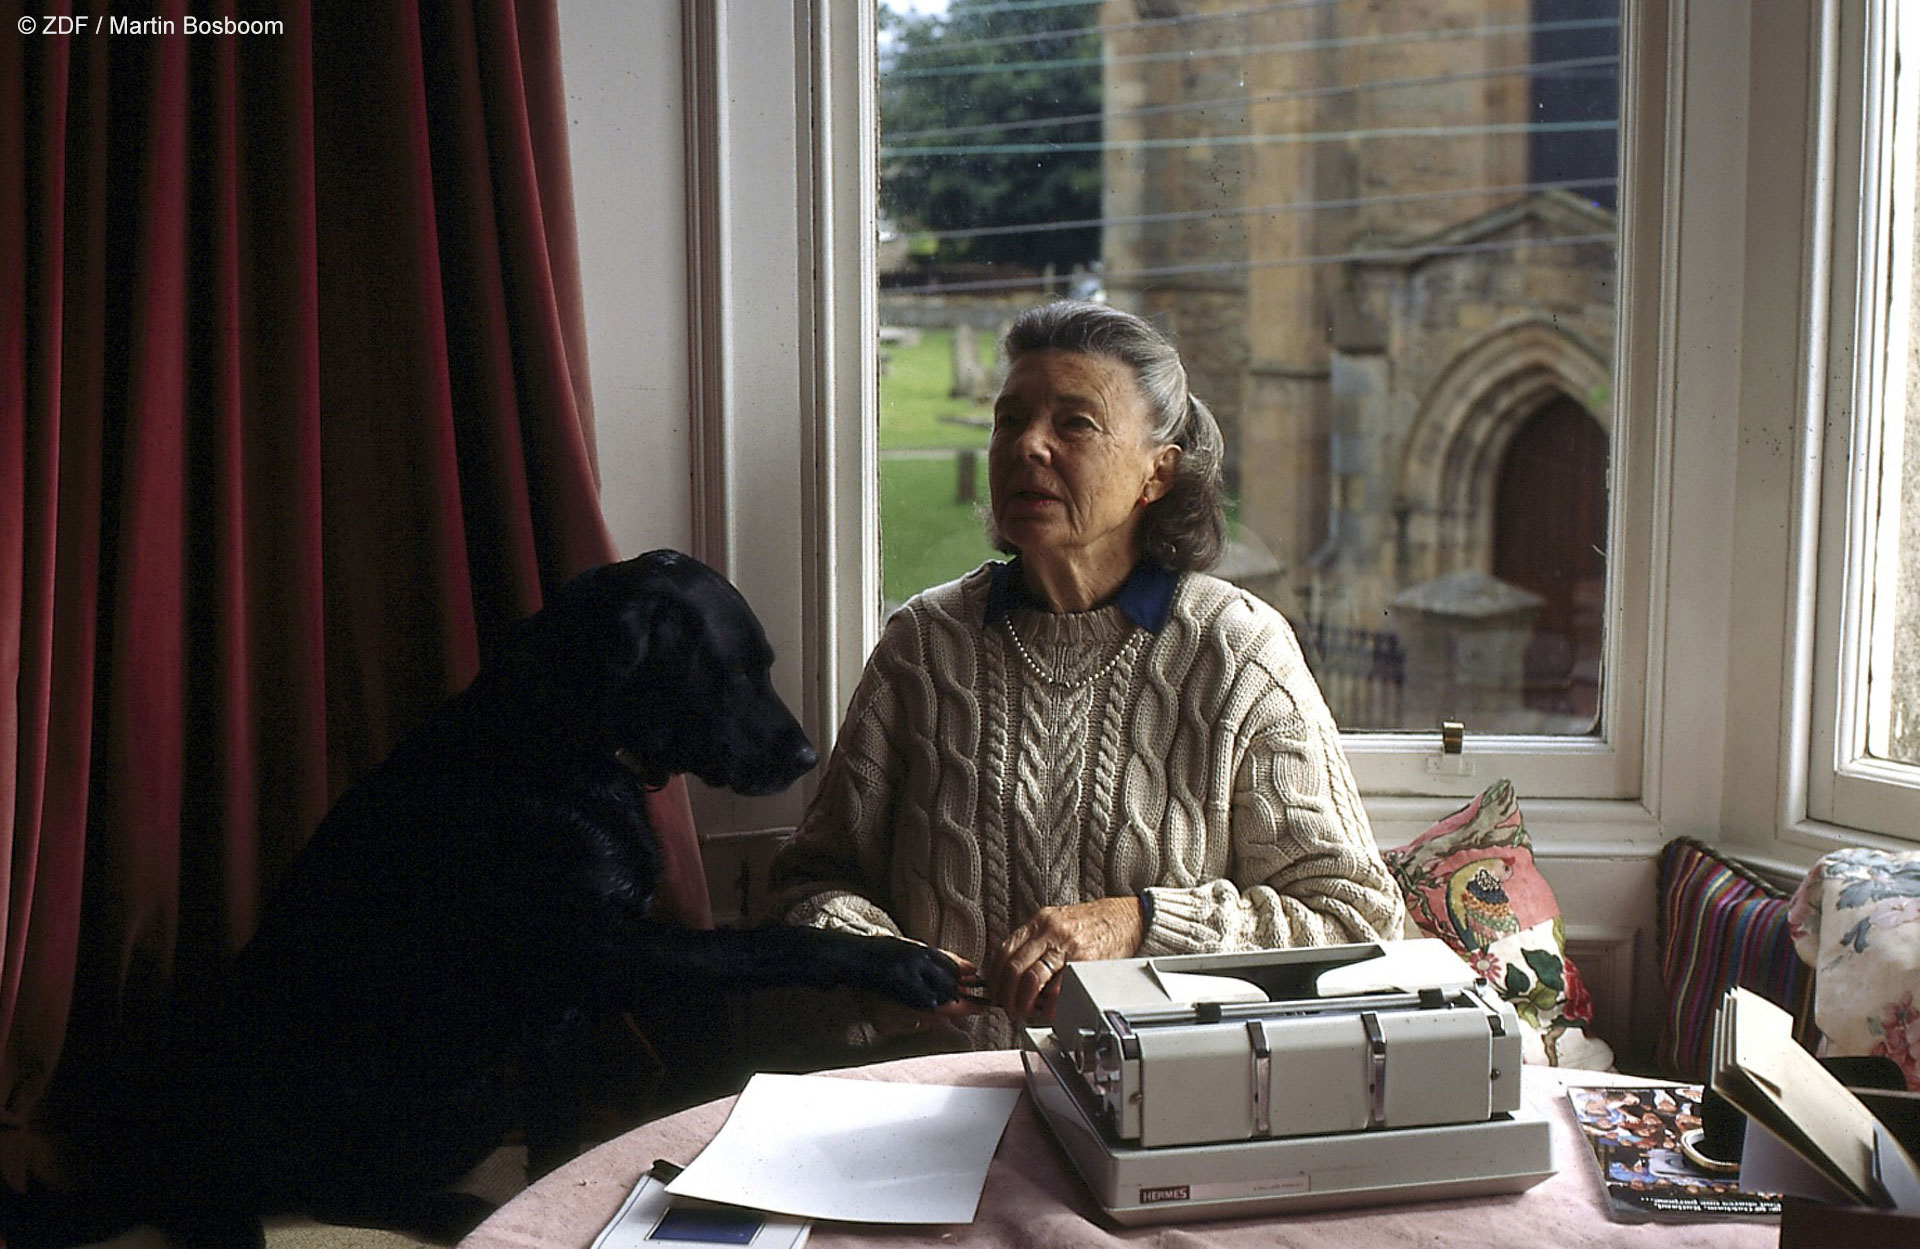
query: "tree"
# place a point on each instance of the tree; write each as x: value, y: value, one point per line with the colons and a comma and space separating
x: 990, y: 121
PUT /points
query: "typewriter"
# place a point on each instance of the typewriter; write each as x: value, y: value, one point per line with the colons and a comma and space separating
x: 1216, y: 1085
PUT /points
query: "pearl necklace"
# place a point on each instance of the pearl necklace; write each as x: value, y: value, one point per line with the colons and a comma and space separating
x: 1055, y: 679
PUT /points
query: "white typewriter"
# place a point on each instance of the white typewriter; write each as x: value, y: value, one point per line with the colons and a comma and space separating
x: 1215, y: 1085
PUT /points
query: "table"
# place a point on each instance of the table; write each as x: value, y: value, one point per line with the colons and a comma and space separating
x: 1033, y: 1197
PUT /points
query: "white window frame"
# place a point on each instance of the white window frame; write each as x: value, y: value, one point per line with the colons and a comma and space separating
x: 786, y: 111
x: 1610, y: 765
x: 782, y: 399
x: 1867, y: 193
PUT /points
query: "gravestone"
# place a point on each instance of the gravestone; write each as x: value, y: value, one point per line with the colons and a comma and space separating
x: 1465, y: 636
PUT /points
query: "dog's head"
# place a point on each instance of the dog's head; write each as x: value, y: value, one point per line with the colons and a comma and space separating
x: 660, y: 657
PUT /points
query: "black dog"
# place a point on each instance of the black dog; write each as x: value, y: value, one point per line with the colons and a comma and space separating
x: 467, y: 910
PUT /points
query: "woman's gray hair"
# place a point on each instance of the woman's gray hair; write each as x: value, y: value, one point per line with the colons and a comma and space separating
x: 1185, y: 529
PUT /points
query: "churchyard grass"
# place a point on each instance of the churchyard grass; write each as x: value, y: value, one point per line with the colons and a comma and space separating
x: 914, y: 398
x: 926, y: 534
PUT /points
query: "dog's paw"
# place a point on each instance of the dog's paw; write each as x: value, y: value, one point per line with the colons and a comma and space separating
x: 910, y: 973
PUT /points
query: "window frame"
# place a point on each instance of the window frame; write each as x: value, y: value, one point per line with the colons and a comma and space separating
x: 777, y: 389
x: 1842, y: 791
x: 1709, y: 642
x: 834, y: 180
x: 1610, y: 764
x: 1413, y: 765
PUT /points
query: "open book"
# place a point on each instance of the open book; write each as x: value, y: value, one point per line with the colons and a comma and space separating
x: 1784, y: 1091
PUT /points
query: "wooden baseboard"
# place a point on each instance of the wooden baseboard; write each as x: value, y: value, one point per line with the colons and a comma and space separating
x: 1605, y: 957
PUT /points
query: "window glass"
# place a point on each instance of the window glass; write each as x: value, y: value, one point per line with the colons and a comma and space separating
x: 1890, y: 658
x: 1894, y: 726
x: 1383, y: 236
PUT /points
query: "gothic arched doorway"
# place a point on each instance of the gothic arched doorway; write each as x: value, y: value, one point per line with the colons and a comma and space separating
x: 1550, y: 537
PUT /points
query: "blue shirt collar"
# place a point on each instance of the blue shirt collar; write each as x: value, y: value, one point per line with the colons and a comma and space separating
x: 1145, y: 597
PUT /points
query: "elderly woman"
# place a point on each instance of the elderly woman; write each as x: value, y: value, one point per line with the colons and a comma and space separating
x: 1093, y: 750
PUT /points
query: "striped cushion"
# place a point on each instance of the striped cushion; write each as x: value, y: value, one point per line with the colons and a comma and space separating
x: 1719, y: 926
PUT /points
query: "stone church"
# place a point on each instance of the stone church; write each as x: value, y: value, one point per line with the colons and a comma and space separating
x: 1389, y: 260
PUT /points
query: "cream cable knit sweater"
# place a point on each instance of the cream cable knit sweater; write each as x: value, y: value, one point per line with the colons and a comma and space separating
x: 1199, y: 765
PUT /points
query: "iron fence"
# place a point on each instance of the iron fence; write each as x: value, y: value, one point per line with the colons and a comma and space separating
x: 1362, y: 673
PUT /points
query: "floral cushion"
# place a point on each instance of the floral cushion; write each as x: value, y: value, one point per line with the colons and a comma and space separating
x: 1856, y: 922
x: 1471, y: 881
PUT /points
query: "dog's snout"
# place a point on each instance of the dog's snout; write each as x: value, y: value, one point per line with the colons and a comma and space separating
x: 774, y: 759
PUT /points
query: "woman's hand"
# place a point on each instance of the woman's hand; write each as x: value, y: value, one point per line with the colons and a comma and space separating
x: 891, y: 1019
x: 1022, y: 976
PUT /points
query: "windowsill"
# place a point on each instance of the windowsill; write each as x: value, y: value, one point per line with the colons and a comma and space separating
x: 1816, y: 838
x: 1560, y: 827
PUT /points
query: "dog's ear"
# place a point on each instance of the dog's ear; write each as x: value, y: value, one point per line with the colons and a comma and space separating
x: 645, y: 625
x: 594, y: 628
x: 600, y: 634
x: 646, y: 606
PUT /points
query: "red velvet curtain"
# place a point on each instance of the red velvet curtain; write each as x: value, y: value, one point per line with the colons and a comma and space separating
x: 295, y: 416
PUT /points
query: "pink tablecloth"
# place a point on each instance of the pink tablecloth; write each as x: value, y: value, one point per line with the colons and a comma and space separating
x: 1034, y: 1198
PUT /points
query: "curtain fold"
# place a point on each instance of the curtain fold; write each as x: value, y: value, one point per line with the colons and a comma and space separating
x: 293, y: 421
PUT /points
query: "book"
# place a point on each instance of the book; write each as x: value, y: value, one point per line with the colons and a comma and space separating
x: 653, y: 1218
x: 1786, y: 1092
x: 1637, y: 1134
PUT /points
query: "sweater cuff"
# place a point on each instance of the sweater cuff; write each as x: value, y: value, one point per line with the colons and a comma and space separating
x: 843, y: 911
x: 1176, y: 922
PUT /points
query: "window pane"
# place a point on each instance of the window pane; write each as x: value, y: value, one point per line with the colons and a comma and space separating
x: 1893, y: 702
x: 1384, y: 238
x: 1895, y: 732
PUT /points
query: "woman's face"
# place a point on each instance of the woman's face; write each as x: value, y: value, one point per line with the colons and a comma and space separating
x: 1070, y: 463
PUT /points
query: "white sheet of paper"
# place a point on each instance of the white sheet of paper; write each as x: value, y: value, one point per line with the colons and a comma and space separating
x: 1186, y: 988
x: 1406, y: 966
x: 861, y: 1151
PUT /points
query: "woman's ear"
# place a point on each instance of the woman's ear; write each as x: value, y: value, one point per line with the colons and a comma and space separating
x: 1166, y: 461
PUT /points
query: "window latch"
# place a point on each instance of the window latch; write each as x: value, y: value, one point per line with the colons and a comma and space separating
x: 1452, y: 760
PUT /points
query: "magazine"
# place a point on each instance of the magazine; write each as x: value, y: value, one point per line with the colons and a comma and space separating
x: 1636, y: 1134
